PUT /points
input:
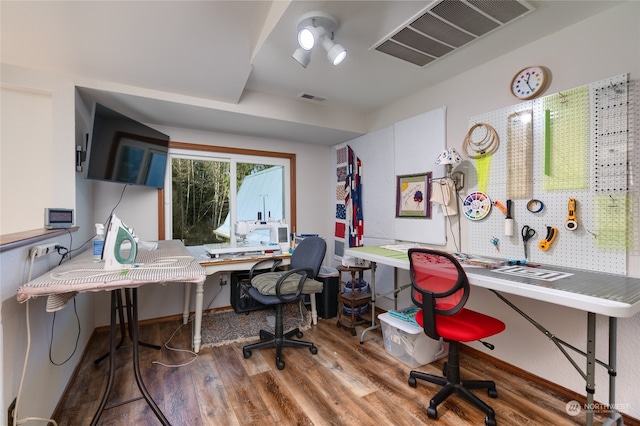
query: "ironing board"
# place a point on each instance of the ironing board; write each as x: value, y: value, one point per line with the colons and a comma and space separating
x: 170, y: 262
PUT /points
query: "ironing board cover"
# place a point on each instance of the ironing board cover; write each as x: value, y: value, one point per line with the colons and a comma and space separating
x: 170, y: 262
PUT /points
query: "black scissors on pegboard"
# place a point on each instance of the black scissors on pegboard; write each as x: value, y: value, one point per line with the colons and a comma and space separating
x: 527, y: 234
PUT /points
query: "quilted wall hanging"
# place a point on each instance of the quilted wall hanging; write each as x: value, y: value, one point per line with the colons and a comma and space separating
x: 349, y: 225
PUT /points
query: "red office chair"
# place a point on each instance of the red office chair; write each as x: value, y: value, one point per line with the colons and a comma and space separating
x: 440, y: 288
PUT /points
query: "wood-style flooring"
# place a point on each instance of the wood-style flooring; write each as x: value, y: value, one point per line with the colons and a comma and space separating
x: 346, y: 383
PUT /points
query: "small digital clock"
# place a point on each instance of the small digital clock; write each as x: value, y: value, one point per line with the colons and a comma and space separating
x: 58, y: 218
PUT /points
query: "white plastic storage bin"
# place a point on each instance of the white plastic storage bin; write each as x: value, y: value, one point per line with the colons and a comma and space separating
x: 408, y: 343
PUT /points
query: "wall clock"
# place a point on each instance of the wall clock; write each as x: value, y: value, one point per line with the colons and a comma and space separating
x: 529, y: 82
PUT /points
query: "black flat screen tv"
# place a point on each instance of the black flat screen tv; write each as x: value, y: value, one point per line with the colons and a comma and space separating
x: 124, y: 150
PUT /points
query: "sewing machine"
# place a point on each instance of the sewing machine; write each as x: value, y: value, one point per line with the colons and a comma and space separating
x: 255, y: 237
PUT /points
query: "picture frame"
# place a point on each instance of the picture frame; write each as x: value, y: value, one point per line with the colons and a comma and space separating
x: 413, y: 195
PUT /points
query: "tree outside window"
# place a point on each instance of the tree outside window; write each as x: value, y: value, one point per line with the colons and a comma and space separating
x: 210, y: 193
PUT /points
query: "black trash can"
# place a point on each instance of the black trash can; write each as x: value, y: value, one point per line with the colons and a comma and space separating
x: 327, y: 300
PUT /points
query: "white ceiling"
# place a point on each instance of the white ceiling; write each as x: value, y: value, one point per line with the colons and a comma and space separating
x: 211, y: 59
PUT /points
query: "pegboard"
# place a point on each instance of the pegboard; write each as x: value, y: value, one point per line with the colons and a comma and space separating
x: 571, y: 134
x: 633, y: 157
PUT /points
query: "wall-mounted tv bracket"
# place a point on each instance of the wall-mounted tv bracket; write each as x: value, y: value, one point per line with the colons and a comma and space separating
x: 81, y: 153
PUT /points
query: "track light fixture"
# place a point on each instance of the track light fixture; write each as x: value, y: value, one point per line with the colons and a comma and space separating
x: 316, y: 28
x: 302, y: 56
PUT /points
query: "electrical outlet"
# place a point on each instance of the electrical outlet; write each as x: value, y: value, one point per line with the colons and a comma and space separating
x: 11, y: 413
x: 224, y: 279
x: 44, y: 249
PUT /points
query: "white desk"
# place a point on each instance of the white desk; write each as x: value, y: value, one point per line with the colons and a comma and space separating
x: 611, y: 295
x: 214, y: 266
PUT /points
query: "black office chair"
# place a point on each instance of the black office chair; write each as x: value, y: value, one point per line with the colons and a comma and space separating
x: 440, y: 288
x: 281, y: 287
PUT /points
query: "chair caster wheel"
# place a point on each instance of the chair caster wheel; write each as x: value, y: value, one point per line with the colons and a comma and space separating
x: 299, y: 334
x: 490, y: 421
x: 492, y: 393
x: 412, y: 382
x: 246, y: 353
x: 313, y: 350
x: 280, y: 364
x: 432, y: 413
x: 444, y: 369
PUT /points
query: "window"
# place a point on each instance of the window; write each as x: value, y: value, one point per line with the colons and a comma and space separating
x: 208, y: 189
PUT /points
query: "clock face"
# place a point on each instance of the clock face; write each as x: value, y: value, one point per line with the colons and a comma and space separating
x: 529, y: 83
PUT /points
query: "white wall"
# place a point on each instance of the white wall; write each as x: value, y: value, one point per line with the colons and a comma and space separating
x: 597, y: 48
x: 35, y: 148
x: 37, y: 110
x: 44, y: 382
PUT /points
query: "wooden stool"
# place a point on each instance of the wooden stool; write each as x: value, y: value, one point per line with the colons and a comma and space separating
x: 356, y: 299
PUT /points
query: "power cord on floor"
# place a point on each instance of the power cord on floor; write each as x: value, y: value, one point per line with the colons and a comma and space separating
x: 166, y: 345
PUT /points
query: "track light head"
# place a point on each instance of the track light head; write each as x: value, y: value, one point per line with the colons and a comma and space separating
x: 317, y: 28
x: 335, y: 52
x: 303, y: 57
x: 308, y: 36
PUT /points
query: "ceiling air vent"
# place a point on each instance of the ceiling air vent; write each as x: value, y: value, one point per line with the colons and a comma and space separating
x: 447, y: 25
x: 311, y: 97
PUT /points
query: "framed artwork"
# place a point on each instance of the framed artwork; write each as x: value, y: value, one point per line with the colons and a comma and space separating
x: 413, y: 193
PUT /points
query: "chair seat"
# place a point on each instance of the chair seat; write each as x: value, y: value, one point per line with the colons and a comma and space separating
x: 266, y: 284
x: 266, y: 299
x: 465, y: 326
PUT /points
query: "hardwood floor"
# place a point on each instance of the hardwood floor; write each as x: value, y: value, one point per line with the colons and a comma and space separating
x: 346, y: 383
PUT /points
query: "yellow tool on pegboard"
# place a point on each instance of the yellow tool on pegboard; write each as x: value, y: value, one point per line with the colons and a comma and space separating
x: 552, y: 233
x: 572, y: 220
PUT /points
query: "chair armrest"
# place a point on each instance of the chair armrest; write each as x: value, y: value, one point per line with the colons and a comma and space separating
x: 303, y: 272
x: 258, y: 266
x: 428, y: 307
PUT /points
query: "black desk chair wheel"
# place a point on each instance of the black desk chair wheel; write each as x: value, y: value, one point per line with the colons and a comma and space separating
x: 281, y: 287
x: 440, y: 288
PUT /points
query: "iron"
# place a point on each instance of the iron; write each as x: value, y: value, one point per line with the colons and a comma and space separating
x: 118, y: 240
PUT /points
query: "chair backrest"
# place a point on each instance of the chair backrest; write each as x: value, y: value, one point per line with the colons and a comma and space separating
x: 309, y: 254
x: 439, y: 285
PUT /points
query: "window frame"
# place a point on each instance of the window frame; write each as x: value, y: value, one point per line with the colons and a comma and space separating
x: 212, y: 151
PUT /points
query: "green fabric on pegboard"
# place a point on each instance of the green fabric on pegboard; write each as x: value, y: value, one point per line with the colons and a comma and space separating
x: 567, y: 159
x: 611, y: 222
x: 483, y: 164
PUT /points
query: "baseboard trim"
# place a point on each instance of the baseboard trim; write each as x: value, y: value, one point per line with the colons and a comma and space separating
x: 543, y: 383
x: 168, y: 318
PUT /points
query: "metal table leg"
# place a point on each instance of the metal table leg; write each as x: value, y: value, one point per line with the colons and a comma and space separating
x: 373, y: 304
x: 589, y: 374
x: 132, y: 313
x: 591, y: 365
x: 123, y: 331
x: 614, y: 416
x: 395, y: 292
